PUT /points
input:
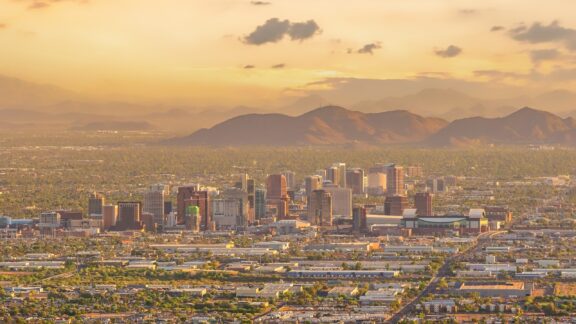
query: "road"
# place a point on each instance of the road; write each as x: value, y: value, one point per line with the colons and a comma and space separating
x: 443, y: 271
x: 58, y: 276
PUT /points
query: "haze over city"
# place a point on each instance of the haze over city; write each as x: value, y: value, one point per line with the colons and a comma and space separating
x: 266, y: 55
x: 288, y: 161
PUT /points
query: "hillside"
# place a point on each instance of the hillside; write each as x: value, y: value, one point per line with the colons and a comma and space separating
x: 323, y: 126
x: 525, y: 126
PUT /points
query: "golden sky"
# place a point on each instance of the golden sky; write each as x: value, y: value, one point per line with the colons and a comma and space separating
x: 205, y: 50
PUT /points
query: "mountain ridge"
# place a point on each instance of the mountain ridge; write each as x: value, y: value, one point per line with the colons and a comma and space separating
x: 334, y: 125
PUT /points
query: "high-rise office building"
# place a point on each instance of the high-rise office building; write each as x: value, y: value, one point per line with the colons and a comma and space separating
x: 202, y: 200
x: 276, y: 187
x: 435, y: 185
x: 341, y: 201
x: 423, y: 204
x: 168, y: 207
x: 395, y: 180
x: 49, y: 222
x: 277, y: 194
x: 248, y: 186
x: 148, y: 221
x: 231, y: 212
x: 359, y: 219
x: 311, y: 183
x: 68, y: 216
x: 337, y: 174
x: 320, y: 208
x: 290, y: 179
x: 377, y: 179
x: 333, y: 175
x: 110, y: 216
x: 50, y: 219
x: 245, y: 214
x: 260, y: 203
x: 414, y: 172
x: 193, y: 218
x: 355, y: 180
x: 183, y: 195
x: 376, y: 183
x: 342, y: 172
x: 154, y: 203
x: 95, y: 204
x: 395, y: 205
x: 129, y: 213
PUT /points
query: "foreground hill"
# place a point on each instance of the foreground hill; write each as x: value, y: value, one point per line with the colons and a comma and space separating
x: 323, y: 126
x: 525, y: 126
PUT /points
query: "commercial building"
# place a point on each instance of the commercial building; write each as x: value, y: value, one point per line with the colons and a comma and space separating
x: 276, y: 187
x: 153, y: 203
x: 290, y: 179
x: 231, y: 212
x: 495, y: 289
x: 129, y: 216
x: 202, y: 200
x: 423, y: 204
x: 110, y: 216
x: 311, y: 183
x: 395, y: 205
x: 359, y: 219
x: 377, y: 179
x: 49, y: 221
x: 260, y: 203
x: 376, y: 183
x: 394, y: 180
x: 336, y: 174
x: 95, y: 204
x: 498, y: 213
x: 341, y: 201
x: 277, y: 194
x: 435, y: 185
x: 355, y: 181
x: 320, y: 208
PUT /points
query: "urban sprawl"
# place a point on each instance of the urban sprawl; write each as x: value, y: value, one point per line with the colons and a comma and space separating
x: 344, y: 245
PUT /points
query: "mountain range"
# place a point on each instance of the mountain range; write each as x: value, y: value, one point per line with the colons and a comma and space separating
x: 333, y: 125
x: 380, y: 113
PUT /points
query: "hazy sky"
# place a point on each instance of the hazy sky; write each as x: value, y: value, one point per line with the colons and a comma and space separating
x: 236, y: 51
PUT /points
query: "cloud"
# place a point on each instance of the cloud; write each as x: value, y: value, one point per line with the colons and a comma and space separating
x: 279, y: 66
x: 448, y: 52
x: 369, y: 48
x: 497, y: 28
x: 538, y: 56
x: 249, y: 67
x: 539, y: 33
x: 274, y: 30
x: 302, y: 31
x: 260, y: 3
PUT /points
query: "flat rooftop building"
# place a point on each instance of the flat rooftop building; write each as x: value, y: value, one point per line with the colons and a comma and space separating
x: 495, y: 289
